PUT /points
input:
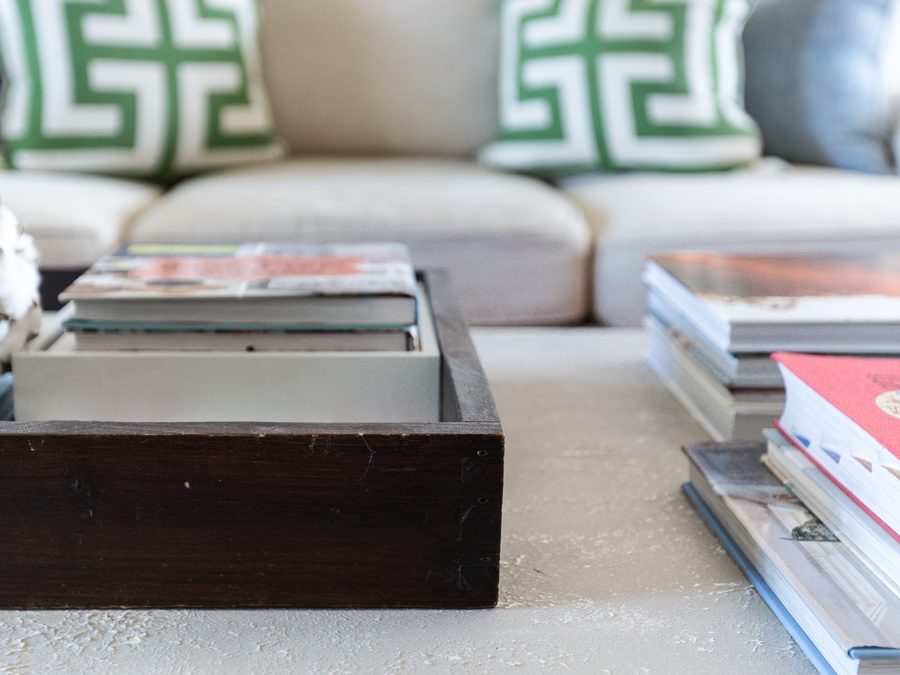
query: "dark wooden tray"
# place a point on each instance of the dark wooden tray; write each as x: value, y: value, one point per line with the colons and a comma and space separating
x: 99, y: 514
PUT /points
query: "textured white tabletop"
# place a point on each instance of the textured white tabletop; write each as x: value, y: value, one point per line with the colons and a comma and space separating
x: 605, y: 567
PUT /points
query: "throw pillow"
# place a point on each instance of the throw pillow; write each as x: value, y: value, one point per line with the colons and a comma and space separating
x: 818, y: 80
x: 143, y: 88
x: 621, y: 84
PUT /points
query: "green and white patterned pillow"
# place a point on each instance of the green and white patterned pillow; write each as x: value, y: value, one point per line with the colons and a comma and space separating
x: 144, y: 88
x: 622, y: 84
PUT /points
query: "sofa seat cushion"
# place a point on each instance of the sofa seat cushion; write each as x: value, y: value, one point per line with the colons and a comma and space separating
x: 771, y: 207
x: 74, y: 218
x: 518, y: 249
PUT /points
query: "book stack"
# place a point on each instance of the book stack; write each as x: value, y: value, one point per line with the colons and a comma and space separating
x: 263, y: 332
x: 246, y: 297
x: 813, y: 516
x: 713, y: 321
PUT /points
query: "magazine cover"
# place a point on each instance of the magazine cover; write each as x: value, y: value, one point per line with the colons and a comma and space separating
x: 161, y: 271
x: 866, y: 390
x: 791, y: 546
x: 788, y: 289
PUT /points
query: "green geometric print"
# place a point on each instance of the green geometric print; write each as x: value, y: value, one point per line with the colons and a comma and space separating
x: 143, y: 88
x: 622, y: 84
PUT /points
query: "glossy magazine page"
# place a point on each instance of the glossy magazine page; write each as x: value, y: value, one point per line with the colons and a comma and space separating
x: 790, y: 289
x: 258, y: 270
x: 795, y: 552
x: 868, y: 540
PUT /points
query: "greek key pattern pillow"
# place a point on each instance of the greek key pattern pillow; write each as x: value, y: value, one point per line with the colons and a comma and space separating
x: 622, y: 84
x: 143, y: 88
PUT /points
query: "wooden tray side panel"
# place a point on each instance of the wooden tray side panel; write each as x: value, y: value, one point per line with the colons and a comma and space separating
x: 100, y: 514
x: 305, y: 520
x: 465, y: 394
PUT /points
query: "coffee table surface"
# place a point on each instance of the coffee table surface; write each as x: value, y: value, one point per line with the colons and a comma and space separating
x: 605, y: 566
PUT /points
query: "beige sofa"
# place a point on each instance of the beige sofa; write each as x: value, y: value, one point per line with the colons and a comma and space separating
x: 384, y: 105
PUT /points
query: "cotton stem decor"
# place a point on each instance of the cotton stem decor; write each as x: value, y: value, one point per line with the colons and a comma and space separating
x: 20, y: 305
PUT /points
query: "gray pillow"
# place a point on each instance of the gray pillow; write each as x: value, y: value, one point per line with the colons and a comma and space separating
x: 817, y: 82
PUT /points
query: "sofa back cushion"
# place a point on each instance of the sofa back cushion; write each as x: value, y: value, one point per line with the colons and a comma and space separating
x: 132, y: 89
x: 615, y: 84
x: 382, y: 76
x: 821, y: 80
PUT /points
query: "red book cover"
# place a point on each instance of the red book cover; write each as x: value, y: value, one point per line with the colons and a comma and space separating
x: 866, y: 390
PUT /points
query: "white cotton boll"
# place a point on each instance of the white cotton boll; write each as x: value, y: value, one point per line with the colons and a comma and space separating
x: 20, y: 312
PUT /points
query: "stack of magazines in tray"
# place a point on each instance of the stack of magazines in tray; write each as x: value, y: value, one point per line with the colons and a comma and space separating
x: 246, y: 297
x: 714, y: 320
x: 813, y: 516
x: 262, y: 332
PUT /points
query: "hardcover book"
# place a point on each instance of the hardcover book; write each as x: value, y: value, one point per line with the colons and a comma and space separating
x: 843, y: 413
x: 745, y: 303
x: 841, y: 514
x: 740, y: 371
x: 245, y: 340
x: 847, y: 613
x: 291, y: 285
x: 725, y: 413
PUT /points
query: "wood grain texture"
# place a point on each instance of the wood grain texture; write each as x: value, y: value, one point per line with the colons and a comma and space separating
x: 466, y: 395
x: 253, y: 515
